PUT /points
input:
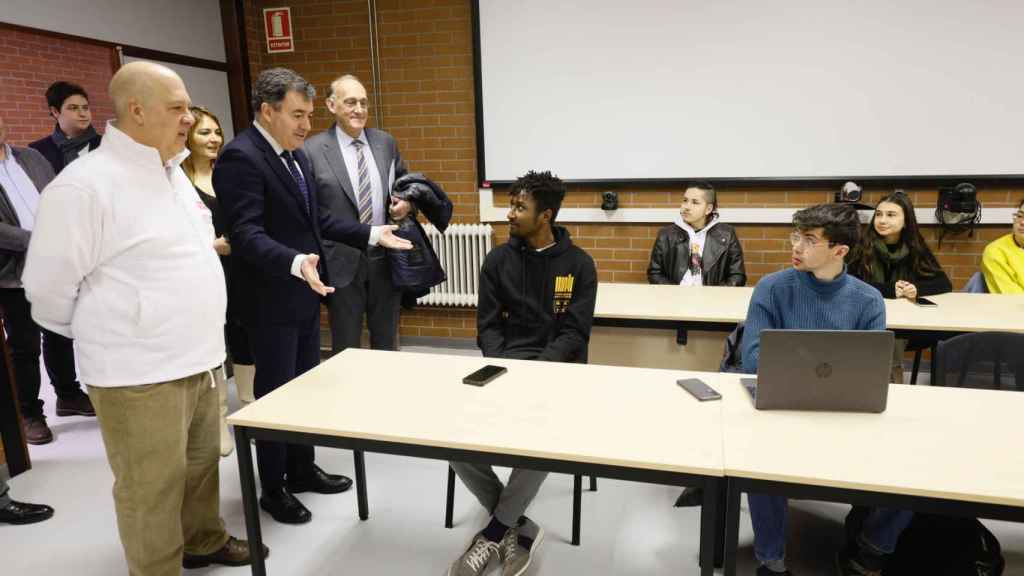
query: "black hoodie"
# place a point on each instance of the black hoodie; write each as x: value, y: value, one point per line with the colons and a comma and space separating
x: 537, y: 305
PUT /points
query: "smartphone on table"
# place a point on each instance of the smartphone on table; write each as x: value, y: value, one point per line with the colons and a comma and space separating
x: 484, y: 375
x: 925, y: 302
x: 699, y: 389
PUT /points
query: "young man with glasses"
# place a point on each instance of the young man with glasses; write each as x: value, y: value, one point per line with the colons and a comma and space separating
x: 818, y: 294
x: 1003, y: 259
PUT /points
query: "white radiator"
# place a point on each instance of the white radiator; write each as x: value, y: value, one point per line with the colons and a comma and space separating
x: 461, y: 250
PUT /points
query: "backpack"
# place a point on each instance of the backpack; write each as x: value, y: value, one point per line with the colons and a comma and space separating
x: 958, y: 210
x: 946, y: 546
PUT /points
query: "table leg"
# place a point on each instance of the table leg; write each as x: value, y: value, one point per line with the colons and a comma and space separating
x: 249, y: 502
x: 709, y: 513
x: 360, y: 464
x: 577, y: 493
x: 449, y: 507
x: 732, y: 527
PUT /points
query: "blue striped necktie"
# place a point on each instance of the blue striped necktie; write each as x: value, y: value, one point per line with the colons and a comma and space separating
x: 293, y: 167
x: 365, y: 198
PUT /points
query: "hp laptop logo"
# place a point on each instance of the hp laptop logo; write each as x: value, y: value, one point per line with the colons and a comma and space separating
x: 823, y: 370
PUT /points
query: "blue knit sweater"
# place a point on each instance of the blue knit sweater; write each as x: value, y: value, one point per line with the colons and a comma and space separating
x: 796, y: 300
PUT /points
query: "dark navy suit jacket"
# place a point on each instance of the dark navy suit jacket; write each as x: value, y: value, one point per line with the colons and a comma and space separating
x: 269, y: 225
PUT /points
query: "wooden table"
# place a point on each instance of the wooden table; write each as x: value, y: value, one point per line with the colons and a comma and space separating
x: 677, y: 327
x: 938, y: 450
x: 613, y: 422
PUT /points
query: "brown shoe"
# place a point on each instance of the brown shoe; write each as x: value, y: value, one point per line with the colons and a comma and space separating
x: 79, y: 405
x: 234, y: 553
x: 36, y: 430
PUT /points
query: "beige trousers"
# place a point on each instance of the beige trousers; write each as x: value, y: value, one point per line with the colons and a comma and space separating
x: 162, y: 442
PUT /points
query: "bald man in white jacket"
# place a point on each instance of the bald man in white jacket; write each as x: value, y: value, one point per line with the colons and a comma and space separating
x: 121, y: 260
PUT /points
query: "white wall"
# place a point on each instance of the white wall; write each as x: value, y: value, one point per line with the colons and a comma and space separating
x: 605, y: 89
x: 189, y: 27
x: 207, y: 88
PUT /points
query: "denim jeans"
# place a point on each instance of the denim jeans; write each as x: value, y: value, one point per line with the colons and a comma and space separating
x: 880, y: 530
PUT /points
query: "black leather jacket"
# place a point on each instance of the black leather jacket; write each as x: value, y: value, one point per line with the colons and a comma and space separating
x: 722, y: 257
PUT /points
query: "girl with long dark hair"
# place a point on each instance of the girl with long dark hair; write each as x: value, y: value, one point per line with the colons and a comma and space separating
x: 895, y: 259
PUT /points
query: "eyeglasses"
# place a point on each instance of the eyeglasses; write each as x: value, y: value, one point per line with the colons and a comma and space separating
x: 353, y: 103
x: 796, y: 239
x: 1018, y: 215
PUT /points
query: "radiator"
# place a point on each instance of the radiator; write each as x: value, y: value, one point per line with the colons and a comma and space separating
x: 461, y: 250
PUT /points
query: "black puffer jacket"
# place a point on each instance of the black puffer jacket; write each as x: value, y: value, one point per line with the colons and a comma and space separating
x: 722, y: 257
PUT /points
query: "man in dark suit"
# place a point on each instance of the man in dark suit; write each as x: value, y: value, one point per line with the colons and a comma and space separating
x: 355, y: 168
x: 266, y: 186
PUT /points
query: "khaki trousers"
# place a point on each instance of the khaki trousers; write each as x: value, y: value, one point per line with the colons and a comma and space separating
x: 162, y: 442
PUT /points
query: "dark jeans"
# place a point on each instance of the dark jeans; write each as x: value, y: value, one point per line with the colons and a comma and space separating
x: 58, y: 354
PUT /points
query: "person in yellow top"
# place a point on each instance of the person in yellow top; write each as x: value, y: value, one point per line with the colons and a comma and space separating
x: 1003, y: 259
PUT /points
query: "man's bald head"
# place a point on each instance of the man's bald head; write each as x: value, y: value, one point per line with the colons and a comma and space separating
x: 139, y: 82
x: 151, y: 105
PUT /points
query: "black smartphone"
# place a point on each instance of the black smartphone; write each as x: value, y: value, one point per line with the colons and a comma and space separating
x: 924, y: 302
x: 700, y: 390
x: 484, y: 375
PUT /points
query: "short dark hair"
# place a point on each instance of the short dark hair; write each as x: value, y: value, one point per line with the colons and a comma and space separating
x: 60, y: 91
x: 547, y: 190
x: 710, y: 196
x: 839, y: 222
x: 274, y: 84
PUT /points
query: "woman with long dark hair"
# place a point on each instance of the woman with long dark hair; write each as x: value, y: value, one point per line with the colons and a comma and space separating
x: 895, y: 259
x: 205, y: 140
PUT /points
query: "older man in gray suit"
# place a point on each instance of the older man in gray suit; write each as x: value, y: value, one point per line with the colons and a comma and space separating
x: 355, y: 168
x: 24, y: 173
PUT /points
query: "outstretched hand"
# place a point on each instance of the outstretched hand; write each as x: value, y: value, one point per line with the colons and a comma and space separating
x: 388, y: 239
x: 312, y: 277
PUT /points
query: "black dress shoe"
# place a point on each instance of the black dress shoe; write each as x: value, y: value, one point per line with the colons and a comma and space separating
x: 284, y: 507
x: 690, y: 497
x: 22, y: 513
x: 320, y: 482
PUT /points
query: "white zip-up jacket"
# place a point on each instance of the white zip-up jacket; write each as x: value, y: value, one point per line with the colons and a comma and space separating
x: 122, y: 260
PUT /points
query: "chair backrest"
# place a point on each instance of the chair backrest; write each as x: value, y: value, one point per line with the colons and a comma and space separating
x: 732, y: 357
x: 976, y: 285
x: 981, y: 360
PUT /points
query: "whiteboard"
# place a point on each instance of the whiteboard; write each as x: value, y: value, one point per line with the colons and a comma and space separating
x: 676, y: 89
x: 207, y: 88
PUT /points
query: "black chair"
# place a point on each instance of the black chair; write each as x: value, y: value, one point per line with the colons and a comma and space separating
x: 993, y: 360
x: 918, y: 347
x: 577, y: 502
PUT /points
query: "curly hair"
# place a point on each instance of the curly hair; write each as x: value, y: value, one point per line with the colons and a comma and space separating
x: 547, y: 190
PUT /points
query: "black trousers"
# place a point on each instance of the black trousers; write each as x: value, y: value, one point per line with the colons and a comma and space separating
x: 23, y: 335
x: 282, y: 352
x: 369, y: 293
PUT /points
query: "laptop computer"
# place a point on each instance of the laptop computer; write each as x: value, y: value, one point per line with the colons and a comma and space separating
x: 840, y: 371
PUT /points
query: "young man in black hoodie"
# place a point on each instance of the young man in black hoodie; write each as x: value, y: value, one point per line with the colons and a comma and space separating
x: 536, y: 302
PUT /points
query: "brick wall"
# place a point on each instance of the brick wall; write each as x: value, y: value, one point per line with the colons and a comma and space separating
x: 30, y: 63
x: 427, y: 91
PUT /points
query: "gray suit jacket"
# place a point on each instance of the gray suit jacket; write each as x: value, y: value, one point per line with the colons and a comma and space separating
x: 337, y: 195
x: 13, y: 238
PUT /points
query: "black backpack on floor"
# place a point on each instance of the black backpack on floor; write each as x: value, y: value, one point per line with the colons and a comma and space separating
x: 946, y: 546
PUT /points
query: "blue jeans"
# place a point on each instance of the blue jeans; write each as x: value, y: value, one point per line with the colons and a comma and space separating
x: 878, y: 535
